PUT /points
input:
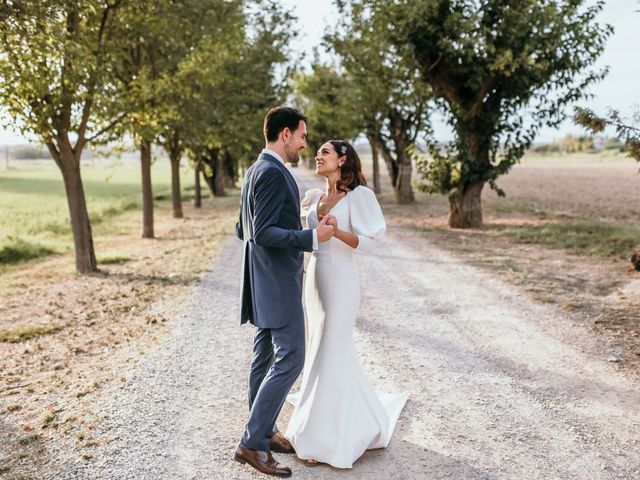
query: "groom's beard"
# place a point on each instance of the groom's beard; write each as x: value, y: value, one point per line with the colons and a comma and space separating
x: 293, y: 156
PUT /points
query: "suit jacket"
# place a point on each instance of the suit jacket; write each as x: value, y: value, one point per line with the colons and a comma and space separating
x: 274, y: 242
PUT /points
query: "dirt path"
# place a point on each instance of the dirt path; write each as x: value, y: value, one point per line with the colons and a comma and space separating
x: 499, y: 387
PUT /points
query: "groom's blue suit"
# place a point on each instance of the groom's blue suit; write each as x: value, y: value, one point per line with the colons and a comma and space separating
x: 271, y: 290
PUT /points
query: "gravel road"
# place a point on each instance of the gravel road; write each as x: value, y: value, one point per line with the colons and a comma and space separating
x: 499, y: 387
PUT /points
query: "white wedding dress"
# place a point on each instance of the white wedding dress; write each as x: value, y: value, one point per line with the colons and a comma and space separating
x: 337, y: 414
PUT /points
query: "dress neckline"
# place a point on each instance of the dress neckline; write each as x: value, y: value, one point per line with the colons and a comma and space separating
x: 336, y: 204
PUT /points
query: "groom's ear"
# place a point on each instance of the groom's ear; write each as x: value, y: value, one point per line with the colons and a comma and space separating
x: 285, y: 134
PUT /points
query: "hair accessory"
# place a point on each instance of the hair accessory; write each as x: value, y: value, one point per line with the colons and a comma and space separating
x: 343, y: 150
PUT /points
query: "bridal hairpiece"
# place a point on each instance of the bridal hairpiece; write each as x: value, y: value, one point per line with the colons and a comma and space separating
x: 341, y: 148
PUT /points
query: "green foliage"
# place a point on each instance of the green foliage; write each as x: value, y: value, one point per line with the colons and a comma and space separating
x: 386, y: 76
x: 56, y: 78
x: 441, y: 175
x: 501, y: 70
x: 16, y: 250
x: 258, y: 80
x: 236, y: 75
x: 326, y: 96
x: 381, y: 92
x: 177, y: 73
x: 53, y: 68
x: 113, y: 258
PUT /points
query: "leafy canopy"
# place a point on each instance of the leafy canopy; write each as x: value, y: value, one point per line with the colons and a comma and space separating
x: 501, y: 70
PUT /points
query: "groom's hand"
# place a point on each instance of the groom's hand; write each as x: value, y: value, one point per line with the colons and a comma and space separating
x: 333, y: 221
x: 324, y: 231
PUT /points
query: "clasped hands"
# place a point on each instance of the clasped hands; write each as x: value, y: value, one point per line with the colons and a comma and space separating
x: 327, y: 228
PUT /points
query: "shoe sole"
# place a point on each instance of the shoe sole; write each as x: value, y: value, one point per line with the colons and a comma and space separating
x: 241, y: 460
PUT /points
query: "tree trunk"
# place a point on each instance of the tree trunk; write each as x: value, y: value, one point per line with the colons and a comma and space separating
x: 80, y: 224
x: 402, y: 188
x: 198, y: 193
x: 176, y: 198
x: 376, y: 164
x: 465, y: 207
x: 635, y: 258
x: 402, y: 182
x: 209, y: 181
x: 147, y: 191
x: 218, y: 174
x: 229, y: 171
x: 392, y: 165
x: 174, y: 147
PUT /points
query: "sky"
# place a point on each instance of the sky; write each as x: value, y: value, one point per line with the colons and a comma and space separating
x: 619, y: 89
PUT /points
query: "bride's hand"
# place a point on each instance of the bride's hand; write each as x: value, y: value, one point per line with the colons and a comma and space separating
x: 331, y: 220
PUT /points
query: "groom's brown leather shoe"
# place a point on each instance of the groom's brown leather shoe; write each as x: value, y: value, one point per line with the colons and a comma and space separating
x: 261, y: 461
x: 279, y: 444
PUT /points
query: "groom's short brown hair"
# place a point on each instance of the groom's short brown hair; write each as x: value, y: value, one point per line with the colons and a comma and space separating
x: 279, y: 118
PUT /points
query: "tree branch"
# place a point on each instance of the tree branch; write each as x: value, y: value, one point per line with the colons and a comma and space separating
x: 478, y: 100
x: 55, y: 154
x: 86, y: 109
x: 108, y: 127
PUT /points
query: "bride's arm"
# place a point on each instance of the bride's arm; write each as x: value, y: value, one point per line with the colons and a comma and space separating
x: 367, y: 221
x: 349, y: 238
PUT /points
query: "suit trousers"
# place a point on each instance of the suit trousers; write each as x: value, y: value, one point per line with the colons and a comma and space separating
x: 278, y: 358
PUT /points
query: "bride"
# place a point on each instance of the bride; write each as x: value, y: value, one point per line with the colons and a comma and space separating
x: 337, y: 414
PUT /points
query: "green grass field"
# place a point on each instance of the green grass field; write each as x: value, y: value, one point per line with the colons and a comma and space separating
x: 590, y: 238
x: 35, y: 216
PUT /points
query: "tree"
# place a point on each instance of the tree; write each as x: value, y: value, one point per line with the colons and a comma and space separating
x: 164, y: 74
x: 54, y: 76
x: 239, y: 57
x: 243, y: 85
x: 137, y: 67
x: 197, y: 25
x: 389, y: 93
x: 501, y: 70
x: 325, y: 96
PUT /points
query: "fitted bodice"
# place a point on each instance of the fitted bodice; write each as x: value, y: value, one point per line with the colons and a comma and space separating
x: 358, y: 212
x: 341, y: 211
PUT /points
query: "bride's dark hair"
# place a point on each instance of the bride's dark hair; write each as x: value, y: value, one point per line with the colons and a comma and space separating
x: 351, y: 170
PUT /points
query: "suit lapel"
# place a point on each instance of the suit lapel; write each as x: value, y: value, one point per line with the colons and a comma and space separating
x: 292, y: 183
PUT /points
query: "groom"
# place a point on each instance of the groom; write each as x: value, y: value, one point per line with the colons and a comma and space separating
x: 271, y: 291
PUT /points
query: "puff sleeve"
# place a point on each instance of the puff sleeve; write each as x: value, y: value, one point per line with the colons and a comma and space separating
x: 310, y: 197
x: 367, y: 221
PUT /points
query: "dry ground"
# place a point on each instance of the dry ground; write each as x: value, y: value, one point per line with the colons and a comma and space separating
x: 608, y: 190
x: 602, y: 293
x: 100, y: 324
x: 86, y: 329
x: 500, y: 387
